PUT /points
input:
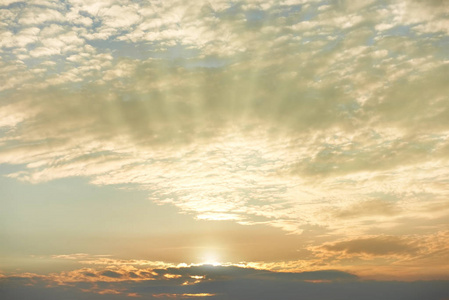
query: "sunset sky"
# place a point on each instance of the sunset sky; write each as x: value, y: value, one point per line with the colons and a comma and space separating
x: 224, y: 149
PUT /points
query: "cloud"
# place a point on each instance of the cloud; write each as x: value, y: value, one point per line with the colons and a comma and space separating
x: 111, y: 274
x: 392, y: 256
x: 35, y: 15
x: 70, y: 256
x: 368, y: 208
x: 149, y: 120
x: 112, y: 278
x: 228, y: 282
x: 119, y: 16
x: 374, y: 246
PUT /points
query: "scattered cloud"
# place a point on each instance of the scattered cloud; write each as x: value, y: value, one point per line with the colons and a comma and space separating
x: 249, y: 139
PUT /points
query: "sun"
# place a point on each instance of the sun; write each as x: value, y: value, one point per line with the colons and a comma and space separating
x: 210, y: 259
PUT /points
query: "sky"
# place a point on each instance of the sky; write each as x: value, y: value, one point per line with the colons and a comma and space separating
x: 224, y: 149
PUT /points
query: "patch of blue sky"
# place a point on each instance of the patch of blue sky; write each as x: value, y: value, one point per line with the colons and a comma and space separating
x: 178, y: 54
x: 310, y: 13
x: 349, y: 108
x: 289, y: 10
x: 97, y: 154
x: 56, y: 69
x: 5, y: 131
x: 255, y: 15
x: 233, y: 9
x: 350, y: 153
x: 375, y: 135
x: 5, y: 96
x: 7, y: 56
x: 120, y: 49
x: 66, y: 4
x: 426, y: 146
x: 13, y: 143
x: 332, y: 44
x: 371, y: 40
x: 442, y: 46
x: 306, y: 39
x: 400, y: 30
x: 46, y: 197
x: 84, y: 13
x: 329, y: 149
x: 144, y: 50
x: 33, y: 62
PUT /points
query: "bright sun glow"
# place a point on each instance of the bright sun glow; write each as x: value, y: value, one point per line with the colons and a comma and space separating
x: 211, y: 259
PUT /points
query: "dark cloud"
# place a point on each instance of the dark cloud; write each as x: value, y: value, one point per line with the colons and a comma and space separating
x: 368, y: 208
x: 111, y: 274
x: 216, y: 273
x: 233, y: 283
x: 383, y: 245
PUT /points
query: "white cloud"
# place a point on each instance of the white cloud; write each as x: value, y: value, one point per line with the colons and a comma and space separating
x: 27, y: 36
x: 74, y: 17
x: 383, y: 26
x: 311, y: 113
x: 45, y: 51
x: 34, y: 16
x: 7, y: 2
x: 6, y: 39
x: 120, y: 17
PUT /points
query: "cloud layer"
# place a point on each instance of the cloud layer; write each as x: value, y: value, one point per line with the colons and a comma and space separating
x: 293, y: 114
x: 213, y: 283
